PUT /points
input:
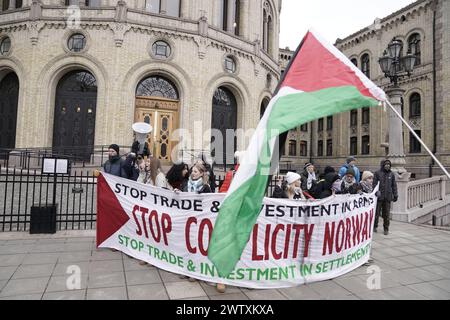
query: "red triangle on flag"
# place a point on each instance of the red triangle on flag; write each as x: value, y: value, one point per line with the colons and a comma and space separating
x: 110, y: 214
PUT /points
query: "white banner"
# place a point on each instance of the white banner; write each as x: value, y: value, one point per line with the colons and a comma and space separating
x: 293, y: 242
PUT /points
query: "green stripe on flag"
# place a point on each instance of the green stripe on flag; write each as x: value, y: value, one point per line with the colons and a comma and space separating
x: 240, y: 210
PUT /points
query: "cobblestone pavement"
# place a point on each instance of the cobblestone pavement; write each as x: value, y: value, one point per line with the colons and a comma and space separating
x: 414, y: 262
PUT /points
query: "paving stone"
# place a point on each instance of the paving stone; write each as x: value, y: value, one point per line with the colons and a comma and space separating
x: 170, y: 277
x: 41, y: 258
x: 106, y: 280
x: 232, y: 296
x: 302, y: 292
x: 65, y: 295
x: 400, y: 277
x: 443, y: 284
x: 2, y: 284
x: 66, y: 283
x: 434, y: 258
x: 374, y: 295
x: 34, y: 271
x: 422, y: 274
x: 439, y: 270
x: 133, y: 265
x: 409, y: 250
x: 118, y: 293
x: 154, y: 291
x: 105, y: 266
x: 212, y: 291
x: 329, y: 289
x: 24, y: 287
x: 23, y: 297
x: 11, y: 260
x: 431, y: 291
x: 48, y: 248
x: 142, y: 277
x: 181, y: 290
x: 103, y: 254
x: 417, y: 261
x: 15, y: 249
x: 355, y: 284
x: 67, y: 268
x: 270, y: 294
x: 398, y: 263
x: 404, y: 293
x: 76, y: 256
x: 7, y: 272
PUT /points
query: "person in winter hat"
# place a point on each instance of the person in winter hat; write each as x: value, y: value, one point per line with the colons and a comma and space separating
x: 366, y: 183
x: 308, y: 177
x: 115, y: 165
x: 387, y: 194
x: 350, y: 163
x: 349, y: 184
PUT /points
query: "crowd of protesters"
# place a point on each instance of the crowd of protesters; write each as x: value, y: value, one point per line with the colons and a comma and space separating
x: 309, y: 185
x: 140, y: 166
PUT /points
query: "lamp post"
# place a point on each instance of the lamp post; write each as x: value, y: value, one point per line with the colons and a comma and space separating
x: 395, y: 67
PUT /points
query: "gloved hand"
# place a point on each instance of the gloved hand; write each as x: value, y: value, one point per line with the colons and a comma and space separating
x: 378, y: 194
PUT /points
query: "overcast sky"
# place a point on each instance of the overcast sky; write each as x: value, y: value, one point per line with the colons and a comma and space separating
x: 331, y: 18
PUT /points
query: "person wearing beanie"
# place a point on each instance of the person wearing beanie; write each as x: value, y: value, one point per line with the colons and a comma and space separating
x: 367, y: 182
x: 350, y: 163
x: 349, y: 184
x: 308, y: 177
x: 291, y: 189
x: 115, y: 164
x: 387, y: 194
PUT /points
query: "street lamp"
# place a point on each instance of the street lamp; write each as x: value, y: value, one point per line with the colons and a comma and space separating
x: 395, y: 67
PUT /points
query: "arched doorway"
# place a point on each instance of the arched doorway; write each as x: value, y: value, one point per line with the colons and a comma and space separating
x: 224, y: 118
x: 75, y: 109
x: 9, y: 97
x: 264, y: 105
x: 158, y: 103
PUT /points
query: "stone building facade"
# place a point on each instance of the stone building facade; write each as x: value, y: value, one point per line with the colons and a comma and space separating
x: 77, y: 73
x: 424, y: 28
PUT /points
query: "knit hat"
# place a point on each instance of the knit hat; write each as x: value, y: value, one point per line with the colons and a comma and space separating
x: 350, y: 159
x: 307, y: 165
x: 366, y: 175
x: 292, y: 177
x: 386, y: 162
x: 115, y: 147
x: 350, y: 171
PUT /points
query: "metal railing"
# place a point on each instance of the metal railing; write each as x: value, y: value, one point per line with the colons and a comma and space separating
x: 75, y: 194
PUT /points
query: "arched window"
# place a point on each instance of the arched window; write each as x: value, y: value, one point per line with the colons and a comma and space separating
x: 365, y: 65
x: 355, y: 62
x: 268, y: 28
x: 156, y: 86
x: 9, y: 98
x: 230, y: 15
x: 19, y: 4
x: 414, y: 105
x: 414, y: 47
x: 93, y: 3
x: 263, y: 108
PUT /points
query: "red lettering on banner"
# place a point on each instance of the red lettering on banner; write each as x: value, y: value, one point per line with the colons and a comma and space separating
x: 255, y: 255
x: 340, y: 239
x: 154, y: 216
x: 308, y: 235
x: 187, y: 232
x: 365, y: 231
x: 275, y: 254
x: 356, y: 229
x: 287, y: 240
x: 348, y: 228
x: 144, y: 211
x: 166, y: 223
x: 328, y: 238
x: 139, y: 230
x: 266, y: 242
x: 205, y: 223
x: 371, y: 221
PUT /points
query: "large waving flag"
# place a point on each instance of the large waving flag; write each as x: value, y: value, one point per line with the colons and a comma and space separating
x: 320, y: 81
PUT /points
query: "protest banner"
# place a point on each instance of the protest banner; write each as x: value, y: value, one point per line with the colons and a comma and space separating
x: 292, y: 243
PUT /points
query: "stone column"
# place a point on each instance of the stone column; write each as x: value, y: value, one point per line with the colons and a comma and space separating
x: 12, y: 4
x: 396, y: 148
x: 399, y: 210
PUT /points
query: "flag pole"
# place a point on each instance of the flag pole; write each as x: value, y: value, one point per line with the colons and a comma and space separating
x: 418, y: 138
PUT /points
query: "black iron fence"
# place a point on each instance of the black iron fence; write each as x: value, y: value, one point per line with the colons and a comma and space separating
x: 75, y: 194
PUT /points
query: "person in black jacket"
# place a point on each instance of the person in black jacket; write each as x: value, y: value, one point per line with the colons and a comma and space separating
x: 308, y: 178
x: 324, y: 187
x: 349, y: 184
x: 388, y: 194
x: 115, y: 164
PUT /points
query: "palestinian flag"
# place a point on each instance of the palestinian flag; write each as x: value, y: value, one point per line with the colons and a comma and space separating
x: 320, y: 81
